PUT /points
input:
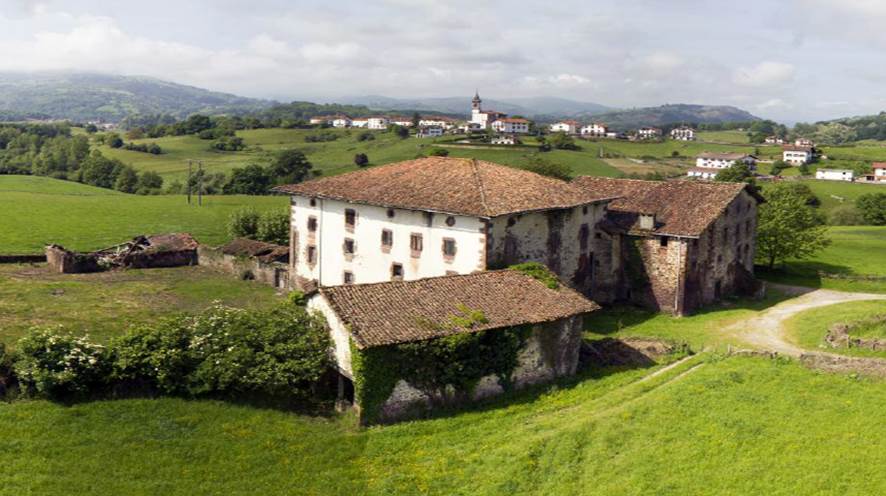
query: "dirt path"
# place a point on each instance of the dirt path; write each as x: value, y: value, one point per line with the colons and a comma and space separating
x: 766, y: 330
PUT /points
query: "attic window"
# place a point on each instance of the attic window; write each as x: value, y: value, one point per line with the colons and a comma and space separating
x: 396, y: 272
x: 390, y: 213
x: 663, y: 241
x: 450, y: 221
x: 350, y: 218
x: 584, y: 210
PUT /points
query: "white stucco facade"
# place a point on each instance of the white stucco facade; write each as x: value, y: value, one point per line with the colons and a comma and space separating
x: 797, y: 157
x: 568, y: 127
x: 714, y: 162
x: 377, y: 123
x: 321, y: 254
x: 511, y: 126
x: 595, y: 130
x: 341, y: 338
x: 835, y: 174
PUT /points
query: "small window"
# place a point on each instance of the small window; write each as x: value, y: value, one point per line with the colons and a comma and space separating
x: 448, y: 247
x: 313, y: 202
x: 450, y: 221
x: 349, y: 246
x: 663, y: 241
x: 390, y: 213
x: 387, y: 238
x: 396, y: 272
x: 726, y: 234
x: 312, y: 254
x: 415, y: 244
x: 350, y: 218
x: 584, y: 233
x: 348, y: 277
x: 598, y: 235
x: 312, y: 224
x: 511, y: 221
x: 584, y: 210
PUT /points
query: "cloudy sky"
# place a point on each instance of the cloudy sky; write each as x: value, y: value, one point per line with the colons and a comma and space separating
x: 789, y: 60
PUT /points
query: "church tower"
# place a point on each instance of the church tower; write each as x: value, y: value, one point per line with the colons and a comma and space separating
x: 475, y: 103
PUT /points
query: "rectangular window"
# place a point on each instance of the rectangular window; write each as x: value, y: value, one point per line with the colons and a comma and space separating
x: 415, y: 244
x: 312, y: 254
x: 663, y: 241
x: 448, y: 247
x: 396, y: 272
x: 387, y: 238
x: 349, y: 246
x: 350, y: 218
x: 348, y: 277
x: 312, y: 224
x: 725, y: 234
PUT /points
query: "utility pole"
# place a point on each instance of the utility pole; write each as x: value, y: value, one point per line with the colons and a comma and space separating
x: 200, y: 184
x: 189, y: 181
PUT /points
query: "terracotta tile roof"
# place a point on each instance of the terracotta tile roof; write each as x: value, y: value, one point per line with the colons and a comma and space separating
x: 515, y: 120
x: 724, y: 156
x: 403, y: 311
x: 878, y: 165
x: 681, y: 208
x: 448, y: 185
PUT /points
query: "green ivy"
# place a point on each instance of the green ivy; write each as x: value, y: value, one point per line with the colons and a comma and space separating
x: 539, y: 272
x: 437, y: 366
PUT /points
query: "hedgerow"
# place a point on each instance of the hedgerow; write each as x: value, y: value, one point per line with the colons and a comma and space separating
x: 282, y: 352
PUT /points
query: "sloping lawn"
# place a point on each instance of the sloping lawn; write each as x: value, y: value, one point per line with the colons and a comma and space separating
x: 735, y: 426
x: 808, y: 329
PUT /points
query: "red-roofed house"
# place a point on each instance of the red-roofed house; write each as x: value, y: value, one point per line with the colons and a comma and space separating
x: 568, y: 127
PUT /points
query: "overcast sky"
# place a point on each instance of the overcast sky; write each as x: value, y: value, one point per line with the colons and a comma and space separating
x: 789, y: 60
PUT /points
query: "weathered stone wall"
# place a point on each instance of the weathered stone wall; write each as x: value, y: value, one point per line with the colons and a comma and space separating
x: 551, y: 351
x: 273, y: 274
x: 560, y: 239
x: 654, y: 273
x: 68, y: 262
x: 874, y: 367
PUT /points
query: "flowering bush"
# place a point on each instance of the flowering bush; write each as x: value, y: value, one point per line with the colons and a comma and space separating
x: 283, y: 351
x: 54, y: 363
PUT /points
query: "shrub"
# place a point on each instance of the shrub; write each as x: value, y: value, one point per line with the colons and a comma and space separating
x: 872, y: 207
x: 53, y: 363
x: 845, y: 215
x: 6, y: 370
x: 229, y: 144
x: 551, y: 169
x: 273, y: 227
x: 438, y: 152
x: 365, y: 136
x: 361, y: 160
x: 279, y: 352
x: 540, y: 272
x: 243, y: 223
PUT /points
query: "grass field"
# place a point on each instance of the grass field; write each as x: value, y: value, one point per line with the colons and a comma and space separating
x: 106, y: 304
x: 808, y: 329
x: 735, y: 426
x: 38, y: 211
x: 854, y: 252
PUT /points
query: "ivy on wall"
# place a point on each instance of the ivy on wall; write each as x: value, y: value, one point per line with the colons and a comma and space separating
x: 447, y: 368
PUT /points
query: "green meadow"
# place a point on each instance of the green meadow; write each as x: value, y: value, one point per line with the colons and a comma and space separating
x: 808, y: 329
x: 38, y: 211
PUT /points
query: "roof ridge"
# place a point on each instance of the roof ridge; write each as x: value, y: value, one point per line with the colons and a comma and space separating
x: 476, y: 169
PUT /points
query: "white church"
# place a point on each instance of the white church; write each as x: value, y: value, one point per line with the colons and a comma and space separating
x: 485, y: 119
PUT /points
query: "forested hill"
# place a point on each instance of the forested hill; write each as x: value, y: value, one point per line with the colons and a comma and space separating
x: 89, y: 96
x: 674, y: 114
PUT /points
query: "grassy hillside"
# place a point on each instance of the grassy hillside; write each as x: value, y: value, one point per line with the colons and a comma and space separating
x: 853, y: 253
x: 735, y: 426
x: 38, y: 211
x: 808, y: 329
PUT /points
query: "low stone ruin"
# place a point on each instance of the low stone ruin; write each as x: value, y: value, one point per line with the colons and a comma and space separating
x: 251, y: 260
x: 142, y: 252
x: 838, y: 336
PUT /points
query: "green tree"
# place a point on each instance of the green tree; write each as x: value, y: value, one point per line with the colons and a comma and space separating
x: 243, y: 223
x: 778, y: 166
x: 273, y: 227
x: 250, y: 180
x: 872, y: 207
x: 291, y: 166
x: 787, y: 227
x: 562, y: 141
x: 149, y: 181
x: 114, y: 140
x: 100, y: 171
x: 738, y: 173
x: 544, y: 167
x: 127, y: 179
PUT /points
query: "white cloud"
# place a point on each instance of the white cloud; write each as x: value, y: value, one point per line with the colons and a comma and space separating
x: 764, y: 74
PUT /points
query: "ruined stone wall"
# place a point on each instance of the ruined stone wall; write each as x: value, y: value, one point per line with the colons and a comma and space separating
x: 551, y: 351
x: 67, y: 262
x: 561, y: 239
x: 654, y: 271
x: 273, y: 274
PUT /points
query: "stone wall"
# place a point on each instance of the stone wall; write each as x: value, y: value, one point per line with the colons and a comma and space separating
x: 274, y: 274
x: 874, y: 367
x: 68, y: 262
x: 550, y: 352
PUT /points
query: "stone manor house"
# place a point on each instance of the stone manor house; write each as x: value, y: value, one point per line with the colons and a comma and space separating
x: 415, y: 238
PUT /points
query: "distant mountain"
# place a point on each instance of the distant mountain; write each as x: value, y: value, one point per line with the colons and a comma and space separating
x: 90, y: 96
x: 672, y: 114
x: 529, y: 107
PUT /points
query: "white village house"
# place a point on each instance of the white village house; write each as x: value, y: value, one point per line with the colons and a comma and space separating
x: 797, y: 155
x: 377, y: 122
x: 482, y: 119
x: 360, y: 122
x: 595, y: 130
x: 648, y: 133
x: 683, y: 133
x: 879, y: 171
x: 709, y: 164
x: 835, y: 174
x: 511, y: 125
x: 568, y: 127
x: 438, y: 121
x: 773, y: 140
x: 429, y: 132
